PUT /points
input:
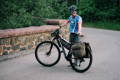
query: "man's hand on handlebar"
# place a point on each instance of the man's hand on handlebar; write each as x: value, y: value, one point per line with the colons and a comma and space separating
x: 64, y: 24
x: 81, y: 34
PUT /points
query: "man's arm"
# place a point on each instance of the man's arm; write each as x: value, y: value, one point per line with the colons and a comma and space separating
x: 79, y: 28
x: 65, y: 24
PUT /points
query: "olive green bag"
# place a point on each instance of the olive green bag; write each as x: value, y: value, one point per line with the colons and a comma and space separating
x: 78, y: 49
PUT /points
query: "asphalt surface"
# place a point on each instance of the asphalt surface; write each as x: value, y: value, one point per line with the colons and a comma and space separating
x: 106, y: 62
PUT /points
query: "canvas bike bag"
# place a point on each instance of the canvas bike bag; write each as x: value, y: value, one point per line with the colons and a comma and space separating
x: 78, y: 49
x: 81, y: 49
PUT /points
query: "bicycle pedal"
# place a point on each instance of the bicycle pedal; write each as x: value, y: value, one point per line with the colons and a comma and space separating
x: 82, y: 60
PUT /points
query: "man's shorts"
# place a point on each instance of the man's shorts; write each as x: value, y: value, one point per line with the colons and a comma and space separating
x: 73, y: 38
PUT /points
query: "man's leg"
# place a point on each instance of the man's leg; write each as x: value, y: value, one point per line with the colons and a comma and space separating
x: 73, y: 38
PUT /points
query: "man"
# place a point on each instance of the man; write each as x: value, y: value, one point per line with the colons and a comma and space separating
x: 74, y: 29
x: 75, y: 26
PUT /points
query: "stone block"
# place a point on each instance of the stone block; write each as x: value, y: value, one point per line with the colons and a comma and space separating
x: 23, y: 48
x: 1, y: 50
x: 5, y: 53
x: 55, y: 21
x: 16, y: 47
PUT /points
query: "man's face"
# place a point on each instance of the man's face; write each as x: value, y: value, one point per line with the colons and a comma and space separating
x: 74, y: 13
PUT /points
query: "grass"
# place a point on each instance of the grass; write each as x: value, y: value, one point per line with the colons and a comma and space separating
x: 104, y: 25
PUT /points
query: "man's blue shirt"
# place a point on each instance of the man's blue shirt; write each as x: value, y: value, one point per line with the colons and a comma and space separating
x: 73, y: 23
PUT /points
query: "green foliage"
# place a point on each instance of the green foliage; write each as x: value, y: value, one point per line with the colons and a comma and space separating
x: 24, y: 13
x: 86, y: 9
x: 61, y: 9
x: 15, y: 13
x: 97, y: 10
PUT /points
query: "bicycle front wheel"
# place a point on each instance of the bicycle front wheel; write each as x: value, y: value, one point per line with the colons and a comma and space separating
x: 47, y: 53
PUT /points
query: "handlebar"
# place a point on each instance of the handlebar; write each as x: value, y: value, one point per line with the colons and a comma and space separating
x: 57, y: 32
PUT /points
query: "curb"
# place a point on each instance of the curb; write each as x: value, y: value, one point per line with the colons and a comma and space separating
x: 16, y: 55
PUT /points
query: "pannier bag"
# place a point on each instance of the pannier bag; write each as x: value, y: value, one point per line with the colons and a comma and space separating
x: 87, y: 49
x: 78, y: 49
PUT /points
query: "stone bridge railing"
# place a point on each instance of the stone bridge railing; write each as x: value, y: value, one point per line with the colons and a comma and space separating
x: 15, y: 40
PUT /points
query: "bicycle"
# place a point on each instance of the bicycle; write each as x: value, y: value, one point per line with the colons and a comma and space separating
x: 48, y: 53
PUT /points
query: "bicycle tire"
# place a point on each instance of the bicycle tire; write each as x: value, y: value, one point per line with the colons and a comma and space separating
x: 89, y: 65
x: 39, y: 60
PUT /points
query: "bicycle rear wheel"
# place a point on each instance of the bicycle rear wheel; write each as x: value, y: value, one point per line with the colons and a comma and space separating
x: 82, y: 64
x: 47, y: 53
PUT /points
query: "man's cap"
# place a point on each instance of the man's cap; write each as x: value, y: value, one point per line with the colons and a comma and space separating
x: 72, y: 8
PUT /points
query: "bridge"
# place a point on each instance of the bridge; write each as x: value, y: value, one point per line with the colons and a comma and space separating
x: 106, y: 61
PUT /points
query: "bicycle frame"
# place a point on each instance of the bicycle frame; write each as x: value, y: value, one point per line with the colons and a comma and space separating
x: 61, y: 42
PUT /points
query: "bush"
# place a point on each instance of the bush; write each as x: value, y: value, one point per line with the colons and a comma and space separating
x: 100, y: 10
x: 24, y: 13
x: 14, y: 14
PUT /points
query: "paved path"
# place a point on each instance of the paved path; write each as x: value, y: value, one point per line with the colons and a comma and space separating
x: 106, y: 63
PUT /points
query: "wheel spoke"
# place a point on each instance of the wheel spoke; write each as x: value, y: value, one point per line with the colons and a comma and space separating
x: 47, y: 53
x: 81, y: 64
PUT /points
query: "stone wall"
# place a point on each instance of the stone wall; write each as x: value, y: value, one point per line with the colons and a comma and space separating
x: 15, y: 40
